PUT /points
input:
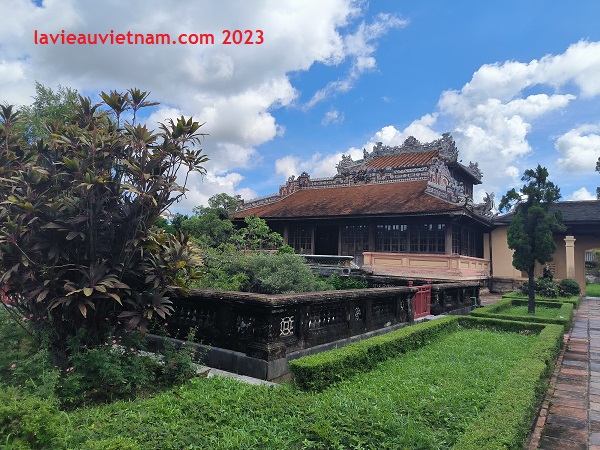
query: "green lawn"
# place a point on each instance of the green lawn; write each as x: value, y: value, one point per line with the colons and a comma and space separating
x: 424, y: 399
x: 540, y: 311
x: 593, y: 290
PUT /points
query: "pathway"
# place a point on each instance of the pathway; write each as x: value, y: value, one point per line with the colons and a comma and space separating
x: 570, y: 415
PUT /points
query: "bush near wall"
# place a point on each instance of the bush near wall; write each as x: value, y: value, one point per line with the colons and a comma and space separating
x: 574, y: 299
x: 564, y: 311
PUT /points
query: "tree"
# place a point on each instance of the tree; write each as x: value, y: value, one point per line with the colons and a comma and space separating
x: 530, y: 233
x: 598, y: 170
x: 78, y: 247
x: 49, y: 108
x: 211, y: 225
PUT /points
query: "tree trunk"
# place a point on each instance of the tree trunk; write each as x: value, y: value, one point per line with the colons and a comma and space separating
x: 531, y: 291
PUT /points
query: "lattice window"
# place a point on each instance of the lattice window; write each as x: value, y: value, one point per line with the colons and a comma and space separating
x: 355, y: 241
x: 300, y: 239
x: 392, y: 238
x: 428, y: 238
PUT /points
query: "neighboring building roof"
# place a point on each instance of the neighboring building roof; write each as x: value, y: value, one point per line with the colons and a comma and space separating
x: 582, y: 211
x: 406, y: 198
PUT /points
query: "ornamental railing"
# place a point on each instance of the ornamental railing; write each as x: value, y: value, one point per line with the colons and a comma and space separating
x: 269, y: 327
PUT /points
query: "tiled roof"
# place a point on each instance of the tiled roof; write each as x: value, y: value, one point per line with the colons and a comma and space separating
x: 375, y: 199
x: 572, y: 212
x: 406, y: 159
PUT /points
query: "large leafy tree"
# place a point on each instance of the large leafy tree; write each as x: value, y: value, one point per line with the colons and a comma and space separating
x: 530, y: 233
x: 78, y: 246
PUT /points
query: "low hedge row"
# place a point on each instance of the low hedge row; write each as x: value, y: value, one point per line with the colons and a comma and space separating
x: 564, y: 310
x: 506, y: 420
x: 574, y: 299
x: 316, y: 372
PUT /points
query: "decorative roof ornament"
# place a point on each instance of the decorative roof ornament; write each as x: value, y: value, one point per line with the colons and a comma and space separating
x: 447, y: 146
x: 345, y: 164
x: 486, y: 209
x: 475, y: 170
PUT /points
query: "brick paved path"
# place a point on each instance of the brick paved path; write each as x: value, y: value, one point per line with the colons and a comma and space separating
x: 570, y: 415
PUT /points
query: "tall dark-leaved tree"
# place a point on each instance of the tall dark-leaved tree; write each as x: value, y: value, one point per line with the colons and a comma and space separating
x: 530, y: 233
x: 78, y: 247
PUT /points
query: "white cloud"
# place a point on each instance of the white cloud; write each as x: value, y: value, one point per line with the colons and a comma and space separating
x: 233, y: 88
x: 332, y: 116
x: 319, y: 165
x: 360, y: 48
x: 581, y: 194
x: 492, y: 118
x: 580, y: 147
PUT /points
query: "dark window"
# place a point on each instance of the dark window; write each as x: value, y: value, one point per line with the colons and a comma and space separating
x: 392, y: 238
x: 428, y: 238
x: 300, y: 239
x: 355, y: 241
x: 467, y: 242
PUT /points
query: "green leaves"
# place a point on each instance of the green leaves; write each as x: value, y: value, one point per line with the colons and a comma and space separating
x: 77, y: 211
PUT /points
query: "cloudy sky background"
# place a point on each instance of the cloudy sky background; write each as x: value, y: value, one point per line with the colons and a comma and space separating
x: 516, y: 83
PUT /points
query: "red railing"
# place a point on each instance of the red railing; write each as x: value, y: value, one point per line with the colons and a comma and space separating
x: 421, y: 303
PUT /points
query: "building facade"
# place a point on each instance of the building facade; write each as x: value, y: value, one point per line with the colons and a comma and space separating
x: 406, y: 211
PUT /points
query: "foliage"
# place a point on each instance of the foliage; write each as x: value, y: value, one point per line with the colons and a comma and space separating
x: 227, y: 268
x: 393, y: 406
x: 543, y: 287
x: 507, y: 418
x: 119, y: 368
x: 77, y: 242
x: 281, y: 273
x: 574, y: 299
x: 256, y: 235
x: 316, y: 372
x: 514, y: 309
x: 49, y: 110
x: 208, y: 227
x: 341, y: 283
x: 530, y: 233
x: 569, y: 287
x: 28, y: 421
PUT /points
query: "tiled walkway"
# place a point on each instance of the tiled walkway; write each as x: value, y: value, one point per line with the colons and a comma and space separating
x: 570, y: 416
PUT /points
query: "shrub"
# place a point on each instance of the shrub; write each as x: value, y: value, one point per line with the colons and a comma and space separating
x: 341, y: 283
x: 77, y: 215
x: 226, y: 268
x: 28, y: 421
x: 544, y: 287
x: 569, y: 287
x: 281, y: 273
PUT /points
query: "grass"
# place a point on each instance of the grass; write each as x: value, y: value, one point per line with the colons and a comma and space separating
x: 540, y: 311
x: 516, y: 309
x: 593, y: 290
x: 424, y: 399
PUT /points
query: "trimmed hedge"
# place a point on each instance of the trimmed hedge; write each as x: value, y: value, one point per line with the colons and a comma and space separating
x: 496, y: 311
x: 506, y: 420
x: 316, y: 372
x: 574, y: 299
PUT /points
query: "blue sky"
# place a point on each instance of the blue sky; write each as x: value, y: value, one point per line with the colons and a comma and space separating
x: 516, y: 83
